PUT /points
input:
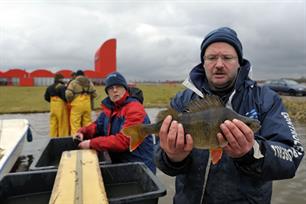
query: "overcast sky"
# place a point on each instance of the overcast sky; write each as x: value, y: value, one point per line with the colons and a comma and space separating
x: 156, y: 40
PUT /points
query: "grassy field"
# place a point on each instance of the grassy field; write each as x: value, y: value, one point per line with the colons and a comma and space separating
x: 31, y: 99
x: 15, y: 99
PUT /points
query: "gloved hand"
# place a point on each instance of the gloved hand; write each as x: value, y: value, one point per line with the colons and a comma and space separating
x: 77, y: 138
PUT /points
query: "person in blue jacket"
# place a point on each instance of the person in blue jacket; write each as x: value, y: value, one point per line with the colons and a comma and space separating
x: 250, y: 161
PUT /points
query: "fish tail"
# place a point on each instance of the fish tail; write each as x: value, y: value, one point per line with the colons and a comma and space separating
x: 137, y: 135
x: 216, y: 154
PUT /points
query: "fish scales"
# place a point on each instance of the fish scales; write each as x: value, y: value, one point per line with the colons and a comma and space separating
x: 204, y: 125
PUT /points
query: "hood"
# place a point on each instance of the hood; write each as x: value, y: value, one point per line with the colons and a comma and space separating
x: 197, y: 74
x: 83, y: 81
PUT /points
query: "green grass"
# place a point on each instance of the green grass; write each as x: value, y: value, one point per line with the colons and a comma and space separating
x: 15, y: 99
x: 159, y: 95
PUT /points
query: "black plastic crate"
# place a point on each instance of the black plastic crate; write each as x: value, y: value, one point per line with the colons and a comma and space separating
x: 131, y: 183
x: 124, y: 183
x: 50, y: 155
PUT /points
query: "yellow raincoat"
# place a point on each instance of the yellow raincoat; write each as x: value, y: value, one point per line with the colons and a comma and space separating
x: 79, y: 93
x: 59, y: 124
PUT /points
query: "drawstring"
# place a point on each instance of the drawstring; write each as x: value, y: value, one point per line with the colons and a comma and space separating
x: 205, y: 178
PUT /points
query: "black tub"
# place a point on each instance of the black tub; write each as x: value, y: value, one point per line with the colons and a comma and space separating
x: 124, y: 183
x: 50, y: 155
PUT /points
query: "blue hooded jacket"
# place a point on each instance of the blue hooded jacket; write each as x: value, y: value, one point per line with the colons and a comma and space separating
x: 243, y: 180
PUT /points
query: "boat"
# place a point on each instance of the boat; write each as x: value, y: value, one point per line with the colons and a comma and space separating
x: 12, y: 136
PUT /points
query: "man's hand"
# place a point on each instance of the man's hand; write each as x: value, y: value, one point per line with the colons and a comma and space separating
x: 239, y: 136
x: 172, y: 140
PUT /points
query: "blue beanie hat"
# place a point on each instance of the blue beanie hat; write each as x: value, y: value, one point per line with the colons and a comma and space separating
x: 115, y: 78
x: 223, y: 34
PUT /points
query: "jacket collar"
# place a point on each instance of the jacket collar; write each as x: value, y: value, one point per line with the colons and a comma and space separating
x: 197, y: 80
x: 115, y: 105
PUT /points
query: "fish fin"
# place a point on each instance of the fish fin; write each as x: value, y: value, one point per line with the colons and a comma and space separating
x: 209, y: 101
x: 136, y: 134
x: 216, y: 155
x: 164, y: 113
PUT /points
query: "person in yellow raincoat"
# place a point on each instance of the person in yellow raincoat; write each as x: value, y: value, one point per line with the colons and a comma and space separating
x: 79, y: 94
x: 55, y: 95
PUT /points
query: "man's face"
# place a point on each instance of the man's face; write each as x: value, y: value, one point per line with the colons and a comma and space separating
x: 220, y: 64
x: 115, y: 92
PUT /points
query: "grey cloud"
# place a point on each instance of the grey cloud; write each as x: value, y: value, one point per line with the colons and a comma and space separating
x: 155, y: 40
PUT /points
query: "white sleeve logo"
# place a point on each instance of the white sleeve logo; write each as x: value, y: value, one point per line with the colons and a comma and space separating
x: 294, y: 151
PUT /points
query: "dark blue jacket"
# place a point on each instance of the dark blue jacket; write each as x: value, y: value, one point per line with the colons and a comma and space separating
x: 243, y: 180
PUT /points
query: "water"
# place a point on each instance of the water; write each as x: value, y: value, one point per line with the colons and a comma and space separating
x: 284, y: 191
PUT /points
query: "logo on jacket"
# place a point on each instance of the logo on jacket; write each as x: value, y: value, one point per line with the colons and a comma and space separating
x: 252, y: 114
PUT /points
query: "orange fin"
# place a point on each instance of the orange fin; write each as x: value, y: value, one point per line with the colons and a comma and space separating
x: 216, y: 155
x: 134, y: 145
x: 136, y: 135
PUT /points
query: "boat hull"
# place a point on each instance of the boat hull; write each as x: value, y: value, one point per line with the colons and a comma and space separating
x: 12, y: 136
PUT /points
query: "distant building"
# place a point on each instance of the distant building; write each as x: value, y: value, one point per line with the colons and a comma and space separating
x: 105, y: 63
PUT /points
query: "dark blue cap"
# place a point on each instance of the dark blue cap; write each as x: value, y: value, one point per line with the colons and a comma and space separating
x: 223, y: 34
x: 115, y: 78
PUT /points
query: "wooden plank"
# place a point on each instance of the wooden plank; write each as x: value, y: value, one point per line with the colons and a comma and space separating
x: 78, y: 179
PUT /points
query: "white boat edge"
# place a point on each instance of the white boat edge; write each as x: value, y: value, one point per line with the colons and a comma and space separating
x: 11, y: 154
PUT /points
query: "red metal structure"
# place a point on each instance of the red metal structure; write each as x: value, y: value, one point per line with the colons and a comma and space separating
x: 105, y: 58
x: 2, y: 79
x: 41, y: 73
x: 105, y: 63
x: 41, y: 77
x: 65, y: 72
x: 18, y: 76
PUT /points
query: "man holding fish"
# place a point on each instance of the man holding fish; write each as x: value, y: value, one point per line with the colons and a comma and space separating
x: 248, y: 156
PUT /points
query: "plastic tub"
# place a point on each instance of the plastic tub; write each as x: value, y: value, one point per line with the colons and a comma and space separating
x: 50, y: 156
x: 124, y: 183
